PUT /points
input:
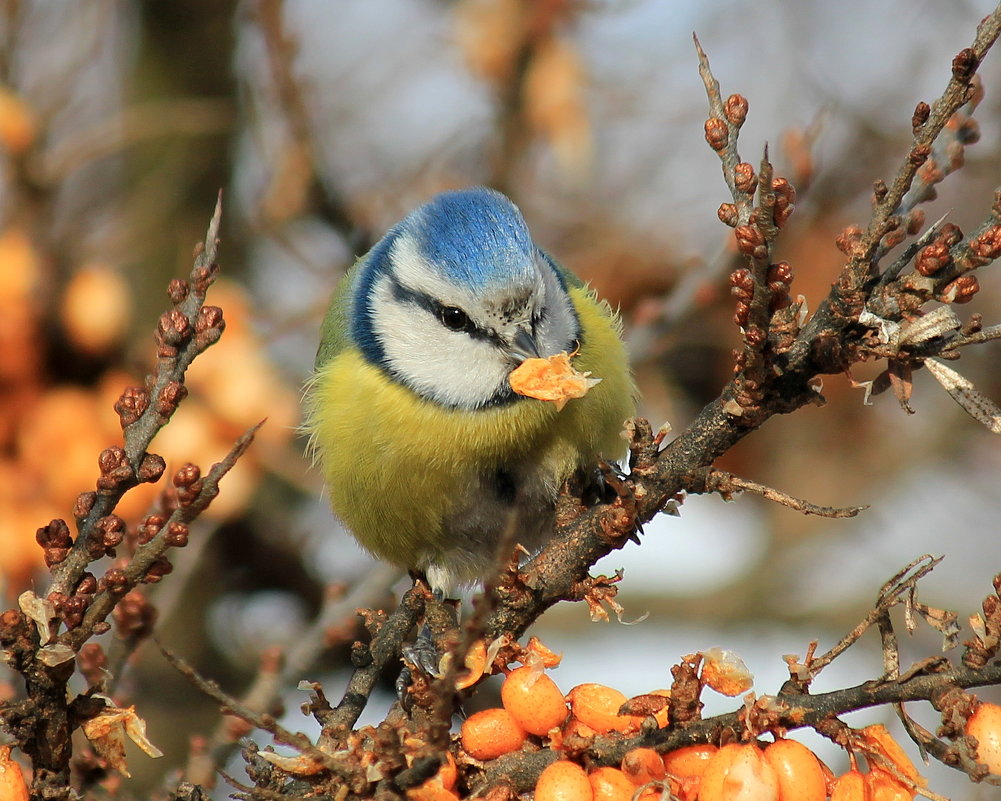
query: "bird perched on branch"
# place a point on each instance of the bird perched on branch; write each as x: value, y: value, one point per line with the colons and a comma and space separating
x: 432, y: 452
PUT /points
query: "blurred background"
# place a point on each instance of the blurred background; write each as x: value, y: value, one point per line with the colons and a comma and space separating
x: 324, y: 123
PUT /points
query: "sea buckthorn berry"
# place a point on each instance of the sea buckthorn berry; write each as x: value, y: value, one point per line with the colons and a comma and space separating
x: 884, y: 787
x: 850, y: 786
x: 430, y: 791
x: 597, y: 706
x: 661, y: 715
x: 448, y: 773
x: 689, y: 761
x: 798, y: 770
x: 12, y: 785
x: 643, y: 765
x: 985, y: 725
x: 563, y: 781
x: 685, y: 767
x: 534, y: 700
x: 610, y: 784
x: 491, y: 733
x: 739, y: 771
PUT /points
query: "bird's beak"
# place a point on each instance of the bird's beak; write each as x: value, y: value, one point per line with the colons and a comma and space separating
x: 522, y: 346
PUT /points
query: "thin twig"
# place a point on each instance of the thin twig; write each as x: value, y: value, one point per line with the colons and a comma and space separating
x: 889, y: 596
x: 259, y: 720
x: 726, y: 484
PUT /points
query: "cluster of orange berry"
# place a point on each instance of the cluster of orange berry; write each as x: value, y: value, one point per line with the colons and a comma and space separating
x: 784, y: 770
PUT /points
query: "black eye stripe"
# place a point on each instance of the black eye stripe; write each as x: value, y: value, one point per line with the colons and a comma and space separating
x: 440, y: 311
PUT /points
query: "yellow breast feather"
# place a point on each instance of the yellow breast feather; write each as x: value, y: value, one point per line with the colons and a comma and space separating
x: 396, y: 465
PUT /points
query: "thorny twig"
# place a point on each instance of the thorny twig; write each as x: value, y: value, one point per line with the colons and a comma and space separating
x: 184, y: 332
x: 148, y: 553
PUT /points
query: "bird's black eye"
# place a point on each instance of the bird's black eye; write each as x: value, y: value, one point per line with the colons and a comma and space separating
x: 455, y: 319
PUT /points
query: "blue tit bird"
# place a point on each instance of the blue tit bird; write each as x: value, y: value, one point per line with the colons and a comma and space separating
x: 430, y: 458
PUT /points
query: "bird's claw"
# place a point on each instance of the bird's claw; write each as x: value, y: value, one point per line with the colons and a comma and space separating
x: 422, y: 656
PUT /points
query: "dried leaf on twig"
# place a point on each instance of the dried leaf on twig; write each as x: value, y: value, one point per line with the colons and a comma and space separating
x: 975, y: 403
x: 107, y: 732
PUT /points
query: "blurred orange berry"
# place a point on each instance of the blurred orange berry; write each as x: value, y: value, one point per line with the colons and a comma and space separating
x: 489, y: 34
x: 20, y: 267
x: 17, y: 123
x: 534, y: 700
x: 20, y: 359
x: 611, y: 784
x: 554, y: 104
x: 643, y: 765
x: 563, y: 781
x: 490, y: 733
x: 985, y: 725
x: 59, y: 442
x: 96, y: 308
x: 739, y: 771
x: 235, y: 379
x: 798, y: 771
x: 597, y: 706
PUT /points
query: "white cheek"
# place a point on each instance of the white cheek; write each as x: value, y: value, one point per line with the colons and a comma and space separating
x: 448, y: 367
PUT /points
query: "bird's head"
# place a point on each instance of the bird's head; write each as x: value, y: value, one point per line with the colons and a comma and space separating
x: 456, y: 296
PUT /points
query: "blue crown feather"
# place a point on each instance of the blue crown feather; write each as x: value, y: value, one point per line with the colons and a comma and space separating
x: 475, y: 237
